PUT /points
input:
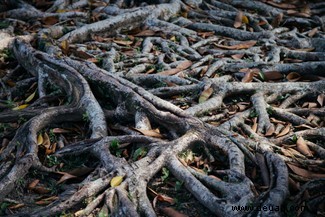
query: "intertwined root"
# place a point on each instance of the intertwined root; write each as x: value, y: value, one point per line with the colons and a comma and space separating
x: 229, y: 142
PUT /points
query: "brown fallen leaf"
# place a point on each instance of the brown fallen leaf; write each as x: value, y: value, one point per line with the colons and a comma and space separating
x: 50, y: 20
x: 281, y: 5
x: 172, y: 212
x: 205, y: 95
x: 270, y: 130
x: 121, y: 42
x: 238, y: 19
x: 248, y: 77
x: 293, y: 76
x: 151, y: 133
x: 60, y: 130
x: 303, y: 148
x: 66, y: 176
x: 183, y: 65
x: 320, y: 99
x: 244, y: 45
x: 313, y: 32
x: 277, y: 20
x: 146, y: 32
x: 304, y: 173
x: 285, y: 131
x: 46, y: 140
x: 237, y: 56
x: 273, y: 75
x: 33, y: 184
x: 16, y: 206
x: 254, y: 127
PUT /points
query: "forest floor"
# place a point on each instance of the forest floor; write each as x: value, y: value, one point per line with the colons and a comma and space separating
x: 162, y: 108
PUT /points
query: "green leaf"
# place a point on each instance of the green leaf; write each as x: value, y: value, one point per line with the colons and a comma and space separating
x: 165, y: 173
x: 139, y: 153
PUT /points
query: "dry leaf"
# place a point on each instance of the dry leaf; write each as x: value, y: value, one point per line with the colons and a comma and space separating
x: 277, y: 20
x: 293, y: 76
x: 205, y: 95
x: 16, y: 206
x: 248, y: 77
x: 147, y: 32
x: 123, y: 42
x: 60, y: 130
x: 33, y: 184
x: 320, y: 99
x: 116, y: 181
x: 254, y: 127
x: 281, y: 5
x: 46, y: 201
x: 285, y: 131
x: 270, y: 130
x: 66, y: 176
x: 172, y: 212
x: 237, y: 56
x: 238, y: 19
x: 41, y: 190
x: 46, y: 141
x: 30, y: 98
x: 65, y: 46
x: 305, y: 173
x: 183, y: 65
x: 50, y: 20
x: 244, y: 45
x: 273, y: 75
x: 313, y: 32
x: 303, y: 148
x: 151, y: 133
x: 164, y: 198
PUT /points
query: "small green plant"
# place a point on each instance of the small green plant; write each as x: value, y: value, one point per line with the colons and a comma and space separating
x: 269, y: 110
x: 3, y: 207
x: 52, y: 160
x: 165, y: 173
x: 294, y: 138
x: 21, y: 120
x: 178, y: 185
x: 160, y: 67
x: 10, y: 103
x: 4, y: 24
x: 253, y: 113
x: 85, y: 117
x: 21, y: 182
x: 139, y: 153
x: 52, y: 136
x: 4, y: 127
x: 114, y: 144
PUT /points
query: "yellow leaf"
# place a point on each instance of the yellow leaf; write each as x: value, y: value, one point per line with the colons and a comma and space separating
x: 20, y: 107
x: 116, y: 181
x: 205, y: 95
x: 61, y: 11
x: 30, y: 98
x: 245, y: 19
x: 40, y: 139
x: 173, y: 38
x: 65, y: 46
